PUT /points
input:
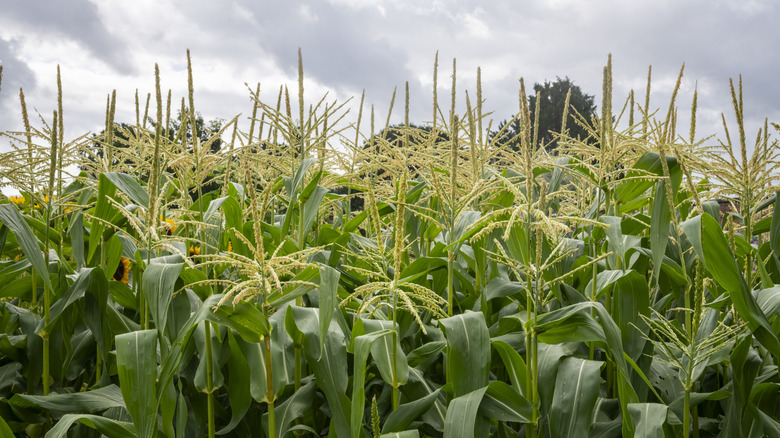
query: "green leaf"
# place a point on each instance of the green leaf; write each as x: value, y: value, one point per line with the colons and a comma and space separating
x: 158, y: 282
x: 214, y: 205
x: 137, y: 367
x: 637, y: 181
x: 403, y: 416
x: 576, y: 390
x: 312, y: 207
x: 503, y: 403
x: 468, y: 352
x: 705, y: 235
x: 238, y: 390
x: 329, y: 284
x: 631, y: 299
x: 13, y: 219
x: 587, y: 329
x: 244, y: 318
x: 129, y: 186
x: 330, y: 368
x: 362, y: 348
x: 292, y: 408
x: 85, y: 279
x: 404, y: 434
x: 97, y: 400
x: 649, y: 419
x: 659, y: 227
x: 5, y: 431
x: 103, y: 212
x: 461, y: 419
x: 513, y: 364
x: 108, y: 427
x: 774, y: 232
x: 382, y: 351
x: 77, y: 238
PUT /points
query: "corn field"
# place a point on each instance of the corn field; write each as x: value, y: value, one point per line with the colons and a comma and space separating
x: 623, y: 284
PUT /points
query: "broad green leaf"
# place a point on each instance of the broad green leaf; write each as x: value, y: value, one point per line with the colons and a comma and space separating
x: 12, y: 218
x: 579, y: 315
x: 136, y: 362
x: 5, y: 431
x: 501, y: 287
x: 576, y: 390
x: 382, y: 350
x: 238, y: 390
x: 404, y: 434
x: 631, y: 298
x: 647, y: 166
x: 659, y: 227
x: 468, y: 352
x: 329, y: 284
x: 649, y: 419
x: 86, y: 279
x: 362, y: 348
x: 420, y: 387
x: 503, y: 403
x: 292, y: 408
x: 312, y: 207
x: 87, y: 402
x: 159, y: 280
x: 513, y: 364
x: 129, y: 186
x: 39, y: 227
x: 330, y: 368
x: 113, y: 254
x: 254, y: 354
x: 461, y: 419
x: 244, y: 318
x: 745, y: 359
x: 104, y: 210
x: 403, y: 416
x: 711, y: 246
x: 214, y: 205
x: 109, y: 428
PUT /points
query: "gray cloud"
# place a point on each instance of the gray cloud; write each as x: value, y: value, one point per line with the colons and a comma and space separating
x: 16, y: 75
x: 350, y: 45
x: 77, y: 20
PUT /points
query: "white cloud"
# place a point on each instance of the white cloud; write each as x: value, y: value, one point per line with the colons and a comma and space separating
x: 349, y: 45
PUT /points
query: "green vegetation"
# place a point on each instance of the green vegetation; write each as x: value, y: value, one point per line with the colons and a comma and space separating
x: 177, y: 289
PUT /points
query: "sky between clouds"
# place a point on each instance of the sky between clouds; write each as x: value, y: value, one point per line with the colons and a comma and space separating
x: 376, y: 45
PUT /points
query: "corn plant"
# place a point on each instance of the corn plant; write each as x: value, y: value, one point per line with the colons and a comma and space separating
x: 624, y: 284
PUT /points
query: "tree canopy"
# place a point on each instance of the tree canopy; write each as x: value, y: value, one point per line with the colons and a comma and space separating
x: 552, y: 99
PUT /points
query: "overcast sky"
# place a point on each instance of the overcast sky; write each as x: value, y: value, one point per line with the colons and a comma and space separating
x: 376, y: 45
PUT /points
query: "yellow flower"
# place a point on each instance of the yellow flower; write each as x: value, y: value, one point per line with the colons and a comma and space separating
x: 230, y: 245
x: 122, y: 272
x: 18, y: 200
x: 194, y: 250
x: 170, y: 225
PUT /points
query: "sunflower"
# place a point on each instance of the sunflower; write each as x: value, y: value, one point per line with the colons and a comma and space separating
x: 170, y: 225
x: 18, y: 200
x: 123, y: 270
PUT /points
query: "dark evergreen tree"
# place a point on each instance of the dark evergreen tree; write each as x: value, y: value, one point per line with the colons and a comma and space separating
x: 552, y: 97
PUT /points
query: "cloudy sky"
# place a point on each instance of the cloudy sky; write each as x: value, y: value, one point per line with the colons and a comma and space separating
x: 376, y: 45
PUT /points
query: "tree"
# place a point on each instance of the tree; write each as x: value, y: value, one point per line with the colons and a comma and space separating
x: 552, y: 97
x: 126, y: 138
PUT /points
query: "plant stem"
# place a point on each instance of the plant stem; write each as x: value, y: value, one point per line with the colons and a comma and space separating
x: 450, y: 281
x: 269, y: 382
x: 209, y: 379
